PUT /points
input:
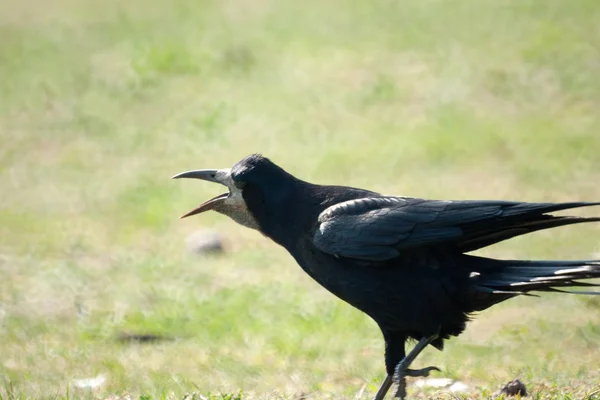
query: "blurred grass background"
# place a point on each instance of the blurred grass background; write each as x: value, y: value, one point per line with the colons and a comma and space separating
x: 102, y: 101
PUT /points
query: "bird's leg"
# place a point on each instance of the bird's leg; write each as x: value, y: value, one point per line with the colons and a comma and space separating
x: 402, y: 370
x: 387, y: 383
x: 413, y: 373
x: 383, y: 389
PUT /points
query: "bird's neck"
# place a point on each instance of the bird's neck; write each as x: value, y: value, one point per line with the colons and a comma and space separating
x: 293, y: 213
x: 287, y: 212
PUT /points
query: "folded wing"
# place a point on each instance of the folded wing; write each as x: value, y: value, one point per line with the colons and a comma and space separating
x: 380, y: 228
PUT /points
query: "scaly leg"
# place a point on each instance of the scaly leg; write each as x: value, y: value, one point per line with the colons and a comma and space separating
x: 383, y: 389
x: 402, y: 370
x: 387, y: 383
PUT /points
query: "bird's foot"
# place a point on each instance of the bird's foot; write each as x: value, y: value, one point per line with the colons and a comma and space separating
x: 401, y: 374
x: 423, y: 372
x: 401, y: 390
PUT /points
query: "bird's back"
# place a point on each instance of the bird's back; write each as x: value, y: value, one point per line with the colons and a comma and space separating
x: 402, y: 260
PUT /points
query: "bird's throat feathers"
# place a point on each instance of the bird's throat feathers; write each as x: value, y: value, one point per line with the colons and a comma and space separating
x: 274, y: 208
x: 286, y: 211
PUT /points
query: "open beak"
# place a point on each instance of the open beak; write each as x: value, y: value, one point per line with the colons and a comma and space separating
x: 211, y: 175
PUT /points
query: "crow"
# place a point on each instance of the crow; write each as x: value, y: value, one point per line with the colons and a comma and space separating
x: 401, y: 260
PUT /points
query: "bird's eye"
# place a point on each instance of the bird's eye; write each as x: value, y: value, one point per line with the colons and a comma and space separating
x: 239, y: 184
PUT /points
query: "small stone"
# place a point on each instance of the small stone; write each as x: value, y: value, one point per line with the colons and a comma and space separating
x: 458, y: 387
x: 434, y: 382
x: 444, y: 384
x: 90, y: 383
x: 512, y: 388
x: 205, y: 242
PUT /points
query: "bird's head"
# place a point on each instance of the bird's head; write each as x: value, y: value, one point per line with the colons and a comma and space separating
x: 249, y: 181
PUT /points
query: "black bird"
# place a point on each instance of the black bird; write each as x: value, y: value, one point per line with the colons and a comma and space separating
x: 401, y: 260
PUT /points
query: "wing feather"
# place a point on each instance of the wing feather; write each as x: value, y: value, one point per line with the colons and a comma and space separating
x: 379, y: 228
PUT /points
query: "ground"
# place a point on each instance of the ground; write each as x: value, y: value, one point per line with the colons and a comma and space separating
x: 102, y: 101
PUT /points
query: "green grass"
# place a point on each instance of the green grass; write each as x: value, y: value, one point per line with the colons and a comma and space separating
x: 101, y: 102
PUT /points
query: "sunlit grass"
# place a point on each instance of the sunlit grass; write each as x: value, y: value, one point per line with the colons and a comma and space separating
x: 101, y: 102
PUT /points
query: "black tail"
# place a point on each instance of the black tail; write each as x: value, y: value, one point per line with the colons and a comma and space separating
x: 518, y: 219
x: 514, y: 277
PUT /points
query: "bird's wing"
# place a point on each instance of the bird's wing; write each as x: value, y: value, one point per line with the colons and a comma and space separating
x: 380, y: 228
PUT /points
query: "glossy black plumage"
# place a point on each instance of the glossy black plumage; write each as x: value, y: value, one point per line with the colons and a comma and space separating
x: 402, y: 260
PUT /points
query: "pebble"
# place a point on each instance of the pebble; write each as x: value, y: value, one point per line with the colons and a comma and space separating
x: 205, y: 242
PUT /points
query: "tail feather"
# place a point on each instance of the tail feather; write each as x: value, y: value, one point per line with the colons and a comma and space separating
x: 588, y: 293
x: 528, y: 208
x: 508, y: 229
x: 518, y: 219
x: 517, y: 277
